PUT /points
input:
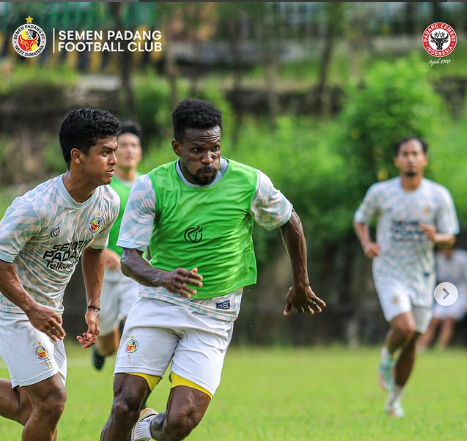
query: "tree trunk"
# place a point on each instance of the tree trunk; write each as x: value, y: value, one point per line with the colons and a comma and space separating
x: 235, y: 40
x: 125, y: 59
x: 334, y: 17
x: 170, y: 67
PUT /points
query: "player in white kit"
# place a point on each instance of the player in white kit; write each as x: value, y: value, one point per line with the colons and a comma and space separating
x: 42, y: 236
x: 414, y: 214
x: 451, y: 266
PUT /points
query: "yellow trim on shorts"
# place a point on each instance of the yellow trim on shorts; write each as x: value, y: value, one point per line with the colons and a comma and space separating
x: 152, y: 380
x: 176, y: 380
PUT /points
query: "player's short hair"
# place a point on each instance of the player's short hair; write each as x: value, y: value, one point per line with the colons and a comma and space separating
x: 195, y: 114
x: 398, y: 144
x: 82, y: 128
x: 131, y: 127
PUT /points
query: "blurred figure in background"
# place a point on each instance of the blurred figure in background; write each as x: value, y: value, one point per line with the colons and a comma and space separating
x: 414, y: 214
x: 118, y: 291
x: 451, y: 266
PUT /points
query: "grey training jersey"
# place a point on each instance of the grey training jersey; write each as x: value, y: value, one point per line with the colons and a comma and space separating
x: 44, y: 232
x: 406, y: 253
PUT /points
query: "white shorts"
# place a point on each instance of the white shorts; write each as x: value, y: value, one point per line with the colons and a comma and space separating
x: 157, y: 332
x: 118, y: 295
x: 396, y: 298
x: 456, y: 311
x: 29, y: 354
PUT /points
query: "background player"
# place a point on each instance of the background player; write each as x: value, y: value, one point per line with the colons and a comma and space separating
x: 42, y: 236
x: 414, y: 214
x: 196, y: 214
x: 451, y: 266
x: 118, y: 291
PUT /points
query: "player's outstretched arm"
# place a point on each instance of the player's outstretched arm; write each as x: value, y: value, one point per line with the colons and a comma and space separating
x: 92, y: 261
x: 300, y: 295
x: 42, y: 318
x: 176, y: 281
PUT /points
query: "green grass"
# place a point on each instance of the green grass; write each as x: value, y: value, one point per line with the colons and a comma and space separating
x: 289, y: 394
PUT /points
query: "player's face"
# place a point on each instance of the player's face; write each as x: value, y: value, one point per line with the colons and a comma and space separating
x: 411, y: 159
x: 99, y: 164
x: 200, y: 154
x: 129, y: 151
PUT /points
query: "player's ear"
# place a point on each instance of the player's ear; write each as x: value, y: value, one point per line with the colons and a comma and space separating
x: 425, y: 160
x: 76, y: 156
x: 177, y: 147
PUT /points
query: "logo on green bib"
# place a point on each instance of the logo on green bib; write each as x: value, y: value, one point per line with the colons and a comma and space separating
x: 194, y: 235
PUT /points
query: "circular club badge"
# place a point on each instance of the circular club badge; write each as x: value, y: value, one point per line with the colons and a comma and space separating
x: 439, y: 39
x: 29, y: 39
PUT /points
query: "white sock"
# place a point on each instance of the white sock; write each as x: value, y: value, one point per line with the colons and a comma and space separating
x: 396, y: 394
x: 143, y: 430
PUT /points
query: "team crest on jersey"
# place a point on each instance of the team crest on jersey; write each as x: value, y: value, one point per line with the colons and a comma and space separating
x: 426, y: 210
x: 29, y: 39
x: 96, y: 224
x: 55, y: 231
x: 41, y: 352
x: 131, y: 345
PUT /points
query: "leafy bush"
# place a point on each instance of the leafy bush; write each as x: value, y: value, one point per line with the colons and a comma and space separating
x: 396, y: 100
x: 153, y: 103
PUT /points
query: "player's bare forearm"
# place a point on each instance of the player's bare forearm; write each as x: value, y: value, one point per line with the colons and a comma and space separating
x: 444, y: 240
x: 93, y: 262
x: 294, y: 241
x: 176, y: 281
x: 362, y: 232
x: 300, y: 295
x: 41, y: 317
x: 370, y: 249
x: 12, y: 288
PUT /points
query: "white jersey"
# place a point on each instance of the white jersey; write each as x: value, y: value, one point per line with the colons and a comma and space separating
x: 453, y: 270
x: 44, y: 232
x: 269, y: 209
x: 407, y: 255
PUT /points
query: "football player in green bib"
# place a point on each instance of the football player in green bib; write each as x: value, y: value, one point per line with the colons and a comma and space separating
x: 196, y: 215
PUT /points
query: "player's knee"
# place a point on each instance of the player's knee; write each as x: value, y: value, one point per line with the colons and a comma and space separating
x: 180, y: 424
x: 52, y: 406
x: 125, y: 408
x: 406, y: 330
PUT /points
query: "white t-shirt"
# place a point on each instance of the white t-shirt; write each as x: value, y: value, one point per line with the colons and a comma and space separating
x: 44, y: 232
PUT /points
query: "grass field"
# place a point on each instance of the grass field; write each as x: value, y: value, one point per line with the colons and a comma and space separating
x: 328, y: 394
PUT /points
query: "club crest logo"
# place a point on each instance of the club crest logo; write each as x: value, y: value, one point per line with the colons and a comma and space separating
x: 96, y: 224
x: 131, y: 345
x: 439, y: 39
x: 41, y: 352
x: 194, y: 235
x: 29, y: 40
